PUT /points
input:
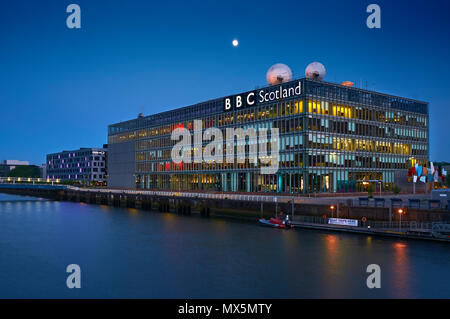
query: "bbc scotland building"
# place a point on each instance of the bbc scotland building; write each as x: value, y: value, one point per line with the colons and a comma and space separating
x: 332, y: 138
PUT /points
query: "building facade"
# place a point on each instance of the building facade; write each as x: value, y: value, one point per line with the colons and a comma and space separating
x: 332, y: 138
x: 7, y: 166
x: 84, y: 165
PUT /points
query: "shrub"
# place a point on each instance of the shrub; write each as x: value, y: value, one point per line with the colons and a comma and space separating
x: 396, y: 189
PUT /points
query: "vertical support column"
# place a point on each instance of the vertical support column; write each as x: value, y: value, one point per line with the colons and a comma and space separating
x: 306, y: 182
x: 390, y: 216
x: 224, y: 181
x: 334, y: 182
x: 249, y: 182
x: 290, y: 183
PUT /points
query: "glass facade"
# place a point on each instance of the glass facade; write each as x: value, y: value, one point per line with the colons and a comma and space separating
x: 332, y: 138
x: 85, y: 164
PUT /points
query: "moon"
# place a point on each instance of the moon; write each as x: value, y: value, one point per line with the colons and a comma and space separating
x: 235, y: 42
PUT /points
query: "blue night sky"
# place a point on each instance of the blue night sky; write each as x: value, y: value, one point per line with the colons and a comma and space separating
x: 60, y: 87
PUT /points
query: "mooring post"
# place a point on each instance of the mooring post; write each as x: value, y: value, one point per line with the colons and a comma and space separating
x: 261, y: 209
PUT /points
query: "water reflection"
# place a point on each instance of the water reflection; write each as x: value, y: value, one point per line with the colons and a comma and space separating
x: 401, y: 271
x: 331, y: 243
x: 332, y: 268
x: 105, y: 208
x: 129, y: 253
x: 133, y: 212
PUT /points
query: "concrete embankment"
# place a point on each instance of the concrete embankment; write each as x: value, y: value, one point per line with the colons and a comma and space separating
x: 425, y: 234
x: 249, y: 207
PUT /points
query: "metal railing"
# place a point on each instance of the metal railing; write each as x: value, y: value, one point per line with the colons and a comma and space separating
x: 404, y: 225
x: 13, y: 180
x: 386, y: 225
x: 253, y: 198
x: 240, y: 197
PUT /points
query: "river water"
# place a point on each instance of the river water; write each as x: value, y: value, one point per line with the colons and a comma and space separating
x: 127, y: 253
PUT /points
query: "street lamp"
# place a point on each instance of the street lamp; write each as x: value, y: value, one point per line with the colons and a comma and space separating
x: 332, y: 209
x: 292, y: 207
x: 400, y: 211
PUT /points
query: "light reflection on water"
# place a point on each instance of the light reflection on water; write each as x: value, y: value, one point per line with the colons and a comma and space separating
x: 139, y: 254
x: 401, y: 271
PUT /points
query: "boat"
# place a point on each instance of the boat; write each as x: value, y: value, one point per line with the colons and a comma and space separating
x: 275, y: 223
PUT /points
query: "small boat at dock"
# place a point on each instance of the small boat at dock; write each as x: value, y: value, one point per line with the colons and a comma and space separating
x: 275, y: 223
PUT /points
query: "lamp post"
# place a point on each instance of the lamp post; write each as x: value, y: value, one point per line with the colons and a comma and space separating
x: 400, y: 212
x: 276, y: 207
x: 292, y: 207
x: 332, y: 209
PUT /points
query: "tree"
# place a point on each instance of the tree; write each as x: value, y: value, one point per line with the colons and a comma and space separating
x: 396, y: 189
x: 370, y: 190
x: 25, y: 171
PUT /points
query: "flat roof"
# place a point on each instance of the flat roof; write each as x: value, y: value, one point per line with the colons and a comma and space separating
x: 81, y: 149
x: 356, y: 89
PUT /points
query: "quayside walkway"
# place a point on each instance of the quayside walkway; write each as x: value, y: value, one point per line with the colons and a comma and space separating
x: 405, y: 229
x: 378, y: 216
x: 281, y: 198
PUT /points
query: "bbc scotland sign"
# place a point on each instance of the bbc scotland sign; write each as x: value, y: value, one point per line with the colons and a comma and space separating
x: 253, y: 98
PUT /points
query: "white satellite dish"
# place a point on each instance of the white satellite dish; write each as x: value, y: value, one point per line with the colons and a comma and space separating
x: 278, y: 73
x: 315, y: 71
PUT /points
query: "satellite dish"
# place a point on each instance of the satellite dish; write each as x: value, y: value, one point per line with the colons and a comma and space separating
x: 315, y: 71
x: 278, y: 73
